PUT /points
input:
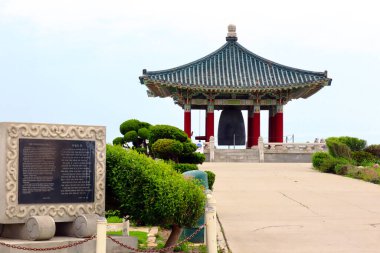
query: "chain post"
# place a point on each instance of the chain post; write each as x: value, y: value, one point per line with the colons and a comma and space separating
x: 210, y: 216
x: 101, y: 235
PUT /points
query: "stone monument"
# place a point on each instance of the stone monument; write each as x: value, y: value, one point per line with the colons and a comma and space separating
x: 51, y: 176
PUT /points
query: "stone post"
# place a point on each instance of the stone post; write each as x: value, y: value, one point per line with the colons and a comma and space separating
x: 261, y: 149
x: 101, y: 235
x: 210, y: 216
x: 212, y: 147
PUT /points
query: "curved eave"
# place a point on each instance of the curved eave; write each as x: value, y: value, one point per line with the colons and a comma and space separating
x: 301, y: 90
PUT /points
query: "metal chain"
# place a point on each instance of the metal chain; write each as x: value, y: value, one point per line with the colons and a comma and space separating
x: 158, y: 250
x: 47, y: 249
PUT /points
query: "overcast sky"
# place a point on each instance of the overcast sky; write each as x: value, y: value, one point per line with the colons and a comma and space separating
x: 78, y: 61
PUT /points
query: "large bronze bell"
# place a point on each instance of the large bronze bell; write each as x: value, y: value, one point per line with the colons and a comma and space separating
x: 231, y: 130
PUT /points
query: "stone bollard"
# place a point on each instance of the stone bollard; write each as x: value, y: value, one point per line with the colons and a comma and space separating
x: 101, y: 235
x: 126, y: 226
x: 212, y: 149
x: 211, y: 242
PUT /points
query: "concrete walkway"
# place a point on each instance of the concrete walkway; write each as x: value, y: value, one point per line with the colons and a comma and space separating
x: 292, y: 208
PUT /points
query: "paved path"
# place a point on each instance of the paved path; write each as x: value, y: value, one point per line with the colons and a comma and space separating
x: 292, y: 208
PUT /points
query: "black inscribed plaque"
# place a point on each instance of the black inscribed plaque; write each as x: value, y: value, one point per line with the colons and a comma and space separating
x: 56, y: 171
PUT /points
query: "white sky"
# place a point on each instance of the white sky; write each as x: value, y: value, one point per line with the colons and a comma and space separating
x: 78, y: 62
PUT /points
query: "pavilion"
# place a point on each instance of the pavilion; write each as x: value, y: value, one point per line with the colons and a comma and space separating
x: 234, y: 78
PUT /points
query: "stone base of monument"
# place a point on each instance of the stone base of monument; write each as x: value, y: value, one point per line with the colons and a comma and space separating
x: 66, y: 245
x: 35, y: 228
x: 39, y: 228
x: 83, y: 226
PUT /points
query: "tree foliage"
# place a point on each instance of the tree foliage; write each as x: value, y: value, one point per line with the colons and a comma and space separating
x: 150, y: 191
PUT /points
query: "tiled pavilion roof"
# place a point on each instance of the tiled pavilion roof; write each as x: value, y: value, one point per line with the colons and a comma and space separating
x: 234, y: 69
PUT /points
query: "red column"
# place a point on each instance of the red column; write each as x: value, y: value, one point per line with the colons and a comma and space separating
x: 271, y: 131
x: 187, y: 119
x: 279, y: 119
x: 256, y: 125
x: 210, y: 121
x: 250, y: 128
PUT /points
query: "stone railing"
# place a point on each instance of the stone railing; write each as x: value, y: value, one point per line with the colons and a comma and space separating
x: 274, y: 147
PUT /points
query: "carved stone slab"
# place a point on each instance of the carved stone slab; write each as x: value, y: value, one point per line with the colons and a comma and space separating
x: 51, y: 170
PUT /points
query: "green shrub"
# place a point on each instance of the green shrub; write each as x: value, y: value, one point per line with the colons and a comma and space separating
x: 318, y: 158
x: 166, y: 132
x: 118, y: 141
x: 183, y: 167
x: 337, y: 148
x: 132, y: 125
x: 328, y: 165
x: 131, y: 136
x: 355, y: 144
x: 150, y: 191
x: 196, y: 158
x: 167, y: 149
x: 341, y: 166
x: 363, y: 157
x: 143, y: 133
x: 342, y: 169
x: 374, y: 150
x: 189, y: 147
x: 142, y: 151
x: 211, y: 179
x: 366, y: 174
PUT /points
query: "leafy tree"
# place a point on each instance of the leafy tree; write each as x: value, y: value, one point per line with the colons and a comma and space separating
x: 151, y: 192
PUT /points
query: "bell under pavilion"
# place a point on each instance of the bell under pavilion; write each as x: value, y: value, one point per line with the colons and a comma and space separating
x: 233, y: 79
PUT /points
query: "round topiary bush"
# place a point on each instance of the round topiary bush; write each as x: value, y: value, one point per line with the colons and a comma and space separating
x: 132, y: 125
x: 167, y: 149
x: 195, y: 157
x: 118, y: 141
x: 166, y: 132
x: 131, y: 136
x: 143, y: 133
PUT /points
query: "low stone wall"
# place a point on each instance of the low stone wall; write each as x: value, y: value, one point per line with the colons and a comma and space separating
x: 288, y: 157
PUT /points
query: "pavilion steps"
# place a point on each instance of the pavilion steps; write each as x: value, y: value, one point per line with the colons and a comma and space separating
x: 236, y: 155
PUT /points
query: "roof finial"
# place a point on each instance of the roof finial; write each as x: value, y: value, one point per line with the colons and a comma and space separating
x: 231, y: 35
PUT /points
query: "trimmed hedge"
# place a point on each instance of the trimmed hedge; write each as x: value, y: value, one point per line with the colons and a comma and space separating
x: 150, y: 191
x: 166, y: 132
